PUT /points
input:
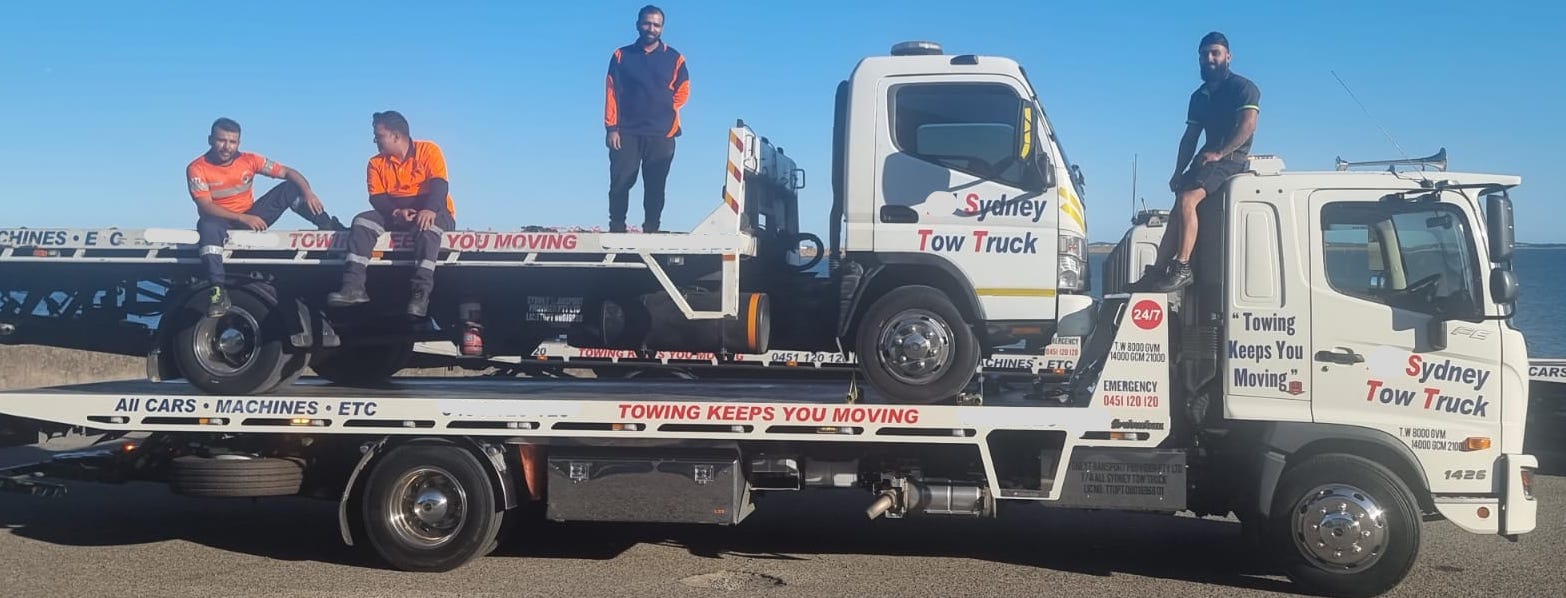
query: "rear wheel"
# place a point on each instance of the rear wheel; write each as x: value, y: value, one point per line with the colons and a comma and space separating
x: 363, y: 365
x: 244, y: 352
x: 430, y: 508
x: 1343, y: 525
x: 914, y: 346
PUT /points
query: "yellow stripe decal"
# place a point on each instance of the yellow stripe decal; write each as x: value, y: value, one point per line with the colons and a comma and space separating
x: 1027, y: 131
x: 1075, y: 215
x: 996, y: 292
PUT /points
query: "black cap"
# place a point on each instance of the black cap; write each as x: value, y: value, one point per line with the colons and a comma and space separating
x: 1214, y: 38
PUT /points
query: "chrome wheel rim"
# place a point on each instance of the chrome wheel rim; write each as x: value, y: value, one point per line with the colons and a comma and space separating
x: 1340, y: 528
x: 916, y: 346
x: 426, y: 507
x: 228, y: 345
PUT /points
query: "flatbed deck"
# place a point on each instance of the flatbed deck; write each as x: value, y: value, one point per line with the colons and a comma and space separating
x: 670, y: 409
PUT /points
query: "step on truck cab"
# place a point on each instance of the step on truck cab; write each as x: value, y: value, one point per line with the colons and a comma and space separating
x: 957, y: 228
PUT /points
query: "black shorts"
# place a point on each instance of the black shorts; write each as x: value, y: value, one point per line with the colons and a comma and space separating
x: 1209, y: 177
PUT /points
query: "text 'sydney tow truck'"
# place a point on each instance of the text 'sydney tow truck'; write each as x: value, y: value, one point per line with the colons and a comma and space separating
x: 1344, y: 368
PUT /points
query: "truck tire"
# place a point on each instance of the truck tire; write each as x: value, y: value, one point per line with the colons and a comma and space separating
x: 363, y: 365
x: 1343, y: 525
x: 234, y: 477
x: 914, y: 346
x: 430, y: 508
x: 245, y: 352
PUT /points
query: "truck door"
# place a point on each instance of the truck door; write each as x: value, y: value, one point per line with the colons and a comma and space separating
x: 957, y: 181
x: 1383, y: 272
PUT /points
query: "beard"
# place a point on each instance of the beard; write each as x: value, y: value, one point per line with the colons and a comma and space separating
x: 1214, y: 72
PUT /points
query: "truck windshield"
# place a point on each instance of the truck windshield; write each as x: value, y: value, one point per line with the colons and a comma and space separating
x: 1414, y: 256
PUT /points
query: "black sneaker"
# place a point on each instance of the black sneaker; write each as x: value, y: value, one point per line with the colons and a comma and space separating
x: 418, y: 303
x: 1179, y: 277
x: 218, y: 304
x: 347, y: 297
x: 1150, y: 277
x: 331, y: 223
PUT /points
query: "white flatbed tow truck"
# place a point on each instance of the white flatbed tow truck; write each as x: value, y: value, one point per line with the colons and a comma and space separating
x: 1343, y: 370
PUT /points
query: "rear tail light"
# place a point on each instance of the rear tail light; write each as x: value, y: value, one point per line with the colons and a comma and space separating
x: 1527, y: 482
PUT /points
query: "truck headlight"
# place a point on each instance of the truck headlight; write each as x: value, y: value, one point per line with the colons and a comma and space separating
x: 1074, y: 273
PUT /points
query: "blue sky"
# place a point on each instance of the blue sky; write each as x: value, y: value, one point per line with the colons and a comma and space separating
x: 105, y: 102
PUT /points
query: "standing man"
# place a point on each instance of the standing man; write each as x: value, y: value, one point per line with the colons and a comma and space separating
x: 220, y: 182
x: 408, y: 192
x: 1224, y: 109
x: 646, y: 87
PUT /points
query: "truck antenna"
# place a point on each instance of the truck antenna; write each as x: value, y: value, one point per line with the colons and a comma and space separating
x: 1368, y: 115
x: 1133, y: 188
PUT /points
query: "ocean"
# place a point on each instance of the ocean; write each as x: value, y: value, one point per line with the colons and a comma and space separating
x: 1541, y: 274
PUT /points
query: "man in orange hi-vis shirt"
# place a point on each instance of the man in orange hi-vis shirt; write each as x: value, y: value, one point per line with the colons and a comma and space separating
x: 409, y: 192
x: 220, y: 182
x: 645, y: 89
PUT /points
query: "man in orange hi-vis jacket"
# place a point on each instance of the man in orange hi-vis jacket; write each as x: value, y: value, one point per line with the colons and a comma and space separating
x: 220, y: 183
x: 644, y: 91
x: 409, y: 191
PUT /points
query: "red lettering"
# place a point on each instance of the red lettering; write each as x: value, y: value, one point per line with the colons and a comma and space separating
x: 1414, y: 363
x: 1373, y: 384
x: 978, y: 240
x: 569, y: 242
x: 924, y: 238
x: 972, y: 202
x: 1430, y: 395
x: 623, y: 409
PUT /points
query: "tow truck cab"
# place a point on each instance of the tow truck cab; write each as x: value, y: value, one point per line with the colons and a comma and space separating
x: 1361, y: 313
x: 950, y: 178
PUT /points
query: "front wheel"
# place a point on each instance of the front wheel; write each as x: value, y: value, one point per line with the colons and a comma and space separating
x: 244, y: 352
x: 914, y: 346
x: 430, y: 508
x: 1343, y: 525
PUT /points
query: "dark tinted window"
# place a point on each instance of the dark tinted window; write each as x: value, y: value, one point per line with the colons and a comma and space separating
x: 970, y: 127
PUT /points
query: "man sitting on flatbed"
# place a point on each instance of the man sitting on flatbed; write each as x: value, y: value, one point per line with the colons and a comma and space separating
x: 220, y: 182
x: 408, y: 191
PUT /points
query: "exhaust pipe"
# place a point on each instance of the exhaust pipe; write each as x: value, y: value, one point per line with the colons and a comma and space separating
x: 883, y: 504
x: 923, y: 498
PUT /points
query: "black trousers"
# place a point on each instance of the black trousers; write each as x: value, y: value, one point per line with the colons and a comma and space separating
x: 214, y: 231
x: 1211, y: 176
x: 652, y: 155
x: 368, y: 226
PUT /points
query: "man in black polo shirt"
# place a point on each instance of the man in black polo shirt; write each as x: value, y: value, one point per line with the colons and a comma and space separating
x: 646, y: 87
x: 1224, y: 108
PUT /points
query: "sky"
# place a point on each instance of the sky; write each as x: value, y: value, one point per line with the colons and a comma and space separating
x: 102, y: 104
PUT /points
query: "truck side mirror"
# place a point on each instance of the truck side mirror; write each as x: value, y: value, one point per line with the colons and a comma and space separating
x: 1046, y: 171
x: 1502, y: 235
x: 1435, y: 334
x: 1503, y: 286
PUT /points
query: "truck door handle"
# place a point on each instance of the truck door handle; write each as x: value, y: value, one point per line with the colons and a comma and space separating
x: 1343, y: 355
x: 899, y: 215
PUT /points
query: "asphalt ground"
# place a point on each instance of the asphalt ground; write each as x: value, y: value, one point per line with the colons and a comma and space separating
x: 138, y: 539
